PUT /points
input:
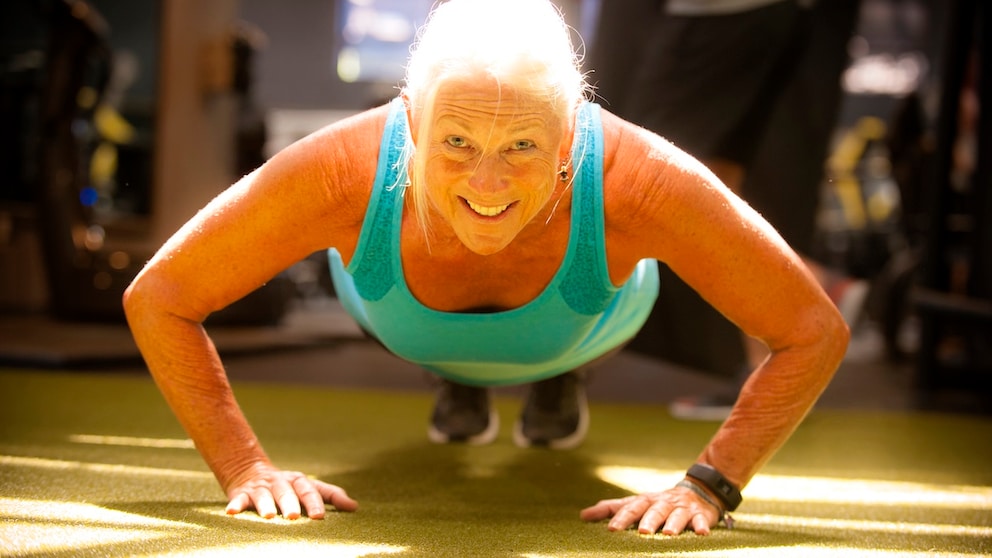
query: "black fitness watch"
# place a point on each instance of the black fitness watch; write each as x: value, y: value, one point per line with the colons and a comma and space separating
x: 709, y: 477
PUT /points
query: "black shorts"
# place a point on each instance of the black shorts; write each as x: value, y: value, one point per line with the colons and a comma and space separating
x: 708, y: 86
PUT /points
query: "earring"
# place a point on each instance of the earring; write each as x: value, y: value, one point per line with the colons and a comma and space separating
x: 563, y: 171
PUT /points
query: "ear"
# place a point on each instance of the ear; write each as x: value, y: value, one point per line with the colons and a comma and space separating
x: 409, y: 117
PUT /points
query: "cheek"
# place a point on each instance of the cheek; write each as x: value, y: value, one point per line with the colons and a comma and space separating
x: 546, y: 190
x: 542, y: 176
x: 538, y: 194
x: 439, y: 178
x: 443, y: 168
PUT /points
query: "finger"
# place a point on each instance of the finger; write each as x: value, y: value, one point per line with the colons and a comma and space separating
x: 653, y: 518
x: 238, y: 504
x: 701, y: 524
x: 311, y: 499
x: 596, y: 512
x: 628, y: 515
x: 265, y: 505
x: 603, y: 509
x: 285, y: 496
x: 676, y: 522
x: 336, y: 496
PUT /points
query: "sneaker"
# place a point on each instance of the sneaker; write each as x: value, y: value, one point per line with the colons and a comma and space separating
x: 463, y: 414
x: 555, y: 415
x: 705, y: 407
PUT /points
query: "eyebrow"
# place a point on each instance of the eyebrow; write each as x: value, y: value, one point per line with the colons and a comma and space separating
x: 529, y: 123
x: 524, y: 125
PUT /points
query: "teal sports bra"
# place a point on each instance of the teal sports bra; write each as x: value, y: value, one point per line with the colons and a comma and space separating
x: 578, y: 317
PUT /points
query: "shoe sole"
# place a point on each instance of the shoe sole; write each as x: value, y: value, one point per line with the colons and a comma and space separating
x: 482, y: 438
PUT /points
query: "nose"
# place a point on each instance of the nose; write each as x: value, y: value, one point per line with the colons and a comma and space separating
x: 488, y: 176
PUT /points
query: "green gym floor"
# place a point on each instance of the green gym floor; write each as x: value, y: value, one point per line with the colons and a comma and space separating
x: 92, y: 463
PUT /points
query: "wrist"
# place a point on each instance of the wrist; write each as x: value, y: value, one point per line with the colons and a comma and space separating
x: 703, y: 493
x: 233, y: 475
x: 707, y: 476
x: 722, y: 513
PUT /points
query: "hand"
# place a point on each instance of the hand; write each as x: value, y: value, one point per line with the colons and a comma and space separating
x: 287, y: 489
x: 675, y: 509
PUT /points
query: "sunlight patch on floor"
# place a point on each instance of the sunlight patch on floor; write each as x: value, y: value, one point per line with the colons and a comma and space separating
x: 43, y: 526
x: 72, y: 512
x: 130, y: 441
x: 868, y: 492
x: 296, y: 549
x: 779, y: 488
x: 914, y: 529
x: 254, y: 517
x: 20, y: 538
x: 809, y: 551
x: 803, y: 551
x: 107, y: 468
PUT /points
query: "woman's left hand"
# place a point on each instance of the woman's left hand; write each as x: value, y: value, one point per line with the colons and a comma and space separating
x: 673, y: 511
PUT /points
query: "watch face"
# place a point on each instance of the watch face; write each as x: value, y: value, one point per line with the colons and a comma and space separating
x: 716, y: 482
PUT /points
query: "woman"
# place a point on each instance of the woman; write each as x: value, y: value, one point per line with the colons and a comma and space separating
x: 490, y: 198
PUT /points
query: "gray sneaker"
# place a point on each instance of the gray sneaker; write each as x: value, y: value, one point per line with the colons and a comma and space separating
x: 555, y: 415
x: 463, y: 414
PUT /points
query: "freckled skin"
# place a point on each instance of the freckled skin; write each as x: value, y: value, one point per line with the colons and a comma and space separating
x: 491, y: 148
x: 492, y: 152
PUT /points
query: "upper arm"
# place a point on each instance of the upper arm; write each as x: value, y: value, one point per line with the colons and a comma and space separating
x: 310, y: 196
x: 664, y: 204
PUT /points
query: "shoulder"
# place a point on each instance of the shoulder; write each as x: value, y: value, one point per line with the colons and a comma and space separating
x: 642, y: 171
x: 653, y: 192
x: 634, y: 152
x: 338, y: 161
x: 345, y: 145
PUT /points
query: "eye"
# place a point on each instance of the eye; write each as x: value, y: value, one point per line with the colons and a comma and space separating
x: 521, y: 145
x: 456, y: 141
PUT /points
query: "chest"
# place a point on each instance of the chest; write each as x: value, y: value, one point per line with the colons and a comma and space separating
x: 445, y: 276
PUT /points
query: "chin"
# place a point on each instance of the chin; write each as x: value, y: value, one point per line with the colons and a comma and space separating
x: 488, y: 239
x: 485, y: 245
x: 486, y: 248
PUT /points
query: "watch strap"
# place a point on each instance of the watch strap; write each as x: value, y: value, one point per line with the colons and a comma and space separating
x: 709, y: 477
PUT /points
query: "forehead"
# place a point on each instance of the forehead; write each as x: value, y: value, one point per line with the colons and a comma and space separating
x: 483, y: 100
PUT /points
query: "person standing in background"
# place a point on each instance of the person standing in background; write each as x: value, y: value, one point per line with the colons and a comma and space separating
x: 752, y: 89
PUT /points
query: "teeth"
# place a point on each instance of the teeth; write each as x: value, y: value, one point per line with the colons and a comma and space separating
x: 487, y: 211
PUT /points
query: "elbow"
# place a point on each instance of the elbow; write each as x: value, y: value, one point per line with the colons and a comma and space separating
x: 822, y: 336
x: 839, y: 334
x: 156, y: 295
x: 128, y: 297
x: 151, y: 295
x: 134, y: 299
x: 832, y: 339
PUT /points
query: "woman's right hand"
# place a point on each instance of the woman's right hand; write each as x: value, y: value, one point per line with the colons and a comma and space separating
x: 270, y: 488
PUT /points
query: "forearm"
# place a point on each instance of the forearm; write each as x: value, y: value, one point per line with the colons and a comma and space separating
x: 187, y: 369
x: 772, y: 403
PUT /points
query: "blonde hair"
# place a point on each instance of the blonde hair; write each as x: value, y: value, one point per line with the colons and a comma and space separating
x: 525, y: 45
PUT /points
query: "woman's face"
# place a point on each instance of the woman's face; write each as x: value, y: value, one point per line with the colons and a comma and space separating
x: 492, y: 160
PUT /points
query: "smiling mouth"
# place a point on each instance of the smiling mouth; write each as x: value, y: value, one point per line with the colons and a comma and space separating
x: 487, y: 210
